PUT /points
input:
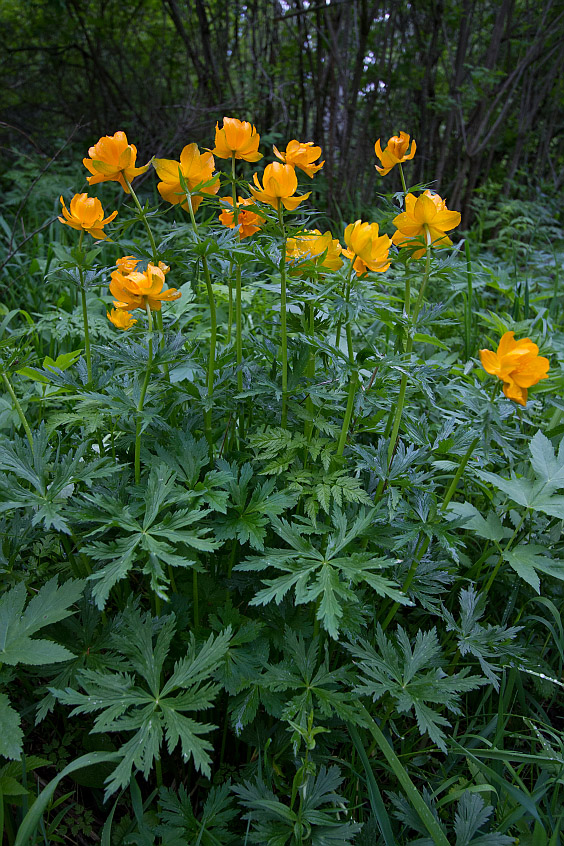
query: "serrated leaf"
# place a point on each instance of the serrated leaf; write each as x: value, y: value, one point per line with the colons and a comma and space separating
x: 11, y: 734
x: 526, y: 559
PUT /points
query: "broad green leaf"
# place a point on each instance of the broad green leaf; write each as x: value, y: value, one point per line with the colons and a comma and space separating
x: 526, y: 559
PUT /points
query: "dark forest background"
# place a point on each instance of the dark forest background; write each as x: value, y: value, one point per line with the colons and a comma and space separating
x: 478, y: 84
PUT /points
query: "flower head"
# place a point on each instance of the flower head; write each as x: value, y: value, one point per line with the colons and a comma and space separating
x: 425, y: 217
x: 321, y: 249
x: 367, y: 247
x: 248, y: 221
x: 121, y: 318
x: 112, y: 159
x: 395, y: 152
x: 518, y: 365
x: 127, y: 264
x: 196, y: 168
x: 279, y: 185
x: 302, y: 155
x: 86, y: 214
x: 237, y: 138
x: 137, y: 290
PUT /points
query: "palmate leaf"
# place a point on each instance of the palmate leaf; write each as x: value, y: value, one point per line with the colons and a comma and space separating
x: 42, y: 481
x: 483, y: 642
x: 147, y: 703
x: 155, y: 533
x: 179, y: 825
x: 18, y: 646
x: 251, y: 507
x: 326, y: 579
x: 413, y: 678
x: 549, y: 477
x: 275, y: 823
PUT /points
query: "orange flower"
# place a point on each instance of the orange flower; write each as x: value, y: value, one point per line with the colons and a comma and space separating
x: 323, y: 250
x: 121, y: 318
x: 196, y: 168
x: 248, y: 222
x: 302, y: 155
x: 369, y: 247
x: 86, y: 214
x: 135, y: 290
x: 238, y: 138
x: 395, y: 152
x: 518, y: 365
x: 279, y: 184
x: 427, y: 218
x: 112, y: 159
x: 127, y: 264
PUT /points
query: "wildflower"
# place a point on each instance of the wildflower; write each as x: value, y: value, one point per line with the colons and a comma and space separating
x: 323, y: 250
x: 196, y: 168
x: 425, y: 217
x: 302, y: 155
x: 518, y: 365
x: 137, y: 290
x: 395, y: 152
x: 237, y: 138
x: 127, y: 264
x: 279, y: 185
x: 367, y: 247
x: 121, y: 318
x: 86, y: 214
x: 112, y: 159
x: 248, y: 221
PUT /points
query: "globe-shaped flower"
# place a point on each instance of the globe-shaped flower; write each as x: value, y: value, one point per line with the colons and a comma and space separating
x: 196, y: 168
x: 121, y: 318
x: 137, y: 290
x: 302, y: 155
x: 518, y: 365
x: 112, y: 159
x: 237, y: 138
x: 425, y: 221
x: 86, y: 214
x: 322, y: 250
x: 248, y: 222
x: 279, y: 185
x: 395, y: 152
x: 367, y: 247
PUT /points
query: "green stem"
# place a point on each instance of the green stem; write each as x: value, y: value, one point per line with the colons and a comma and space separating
x: 348, y: 413
x: 423, y: 543
x: 19, y: 410
x: 230, y: 303
x: 142, y: 398
x: 195, y: 599
x: 468, y: 310
x: 143, y: 217
x: 213, y: 334
x: 414, y: 797
x: 238, y: 330
x: 402, y: 177
x: 160, y: 329
x: 310, y: 373
x: 283, y: 319
x: 408, y: 349
x: 84, y: 311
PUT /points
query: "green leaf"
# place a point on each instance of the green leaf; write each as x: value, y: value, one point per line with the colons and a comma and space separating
x: 50, y: 605
x: 526, y: 559
x: 11, y: 735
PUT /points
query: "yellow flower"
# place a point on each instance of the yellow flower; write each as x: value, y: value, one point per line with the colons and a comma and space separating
x: 427, y: 218
x: 238, y: 138
x: 323, y: 250
x: 302, y: 155
x: 135, y: 290
x: 279, y: 185
x: 518, y: 365
x: 195, y: 167
x: 112, y: 159
x: 121, y: 318
x: 248, y: 222
x: 395, y: 152
x: 86, y: 214
x: 371, y: 249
